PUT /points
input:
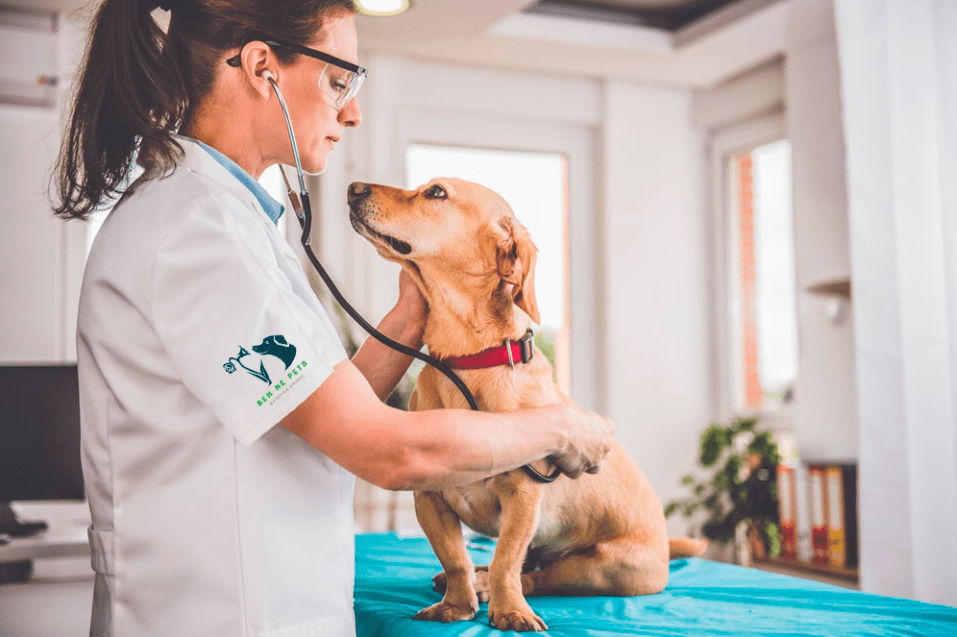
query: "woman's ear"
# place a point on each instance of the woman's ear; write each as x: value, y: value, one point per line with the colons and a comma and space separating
x: 258, y: 63
x: 516, y: 255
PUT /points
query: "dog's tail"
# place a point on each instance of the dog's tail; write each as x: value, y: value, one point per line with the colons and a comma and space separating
x: 686, y: 547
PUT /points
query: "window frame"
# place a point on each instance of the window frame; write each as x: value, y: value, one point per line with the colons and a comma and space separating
x: 723, y: 144
x: 578, y: 144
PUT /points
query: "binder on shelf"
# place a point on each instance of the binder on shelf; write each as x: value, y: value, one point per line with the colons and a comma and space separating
x: 842, y: 514
x: 819, y: 528
x: 802, y: 514
x: 836, y: 543
x: 786, y: 511
x: 850, y: 515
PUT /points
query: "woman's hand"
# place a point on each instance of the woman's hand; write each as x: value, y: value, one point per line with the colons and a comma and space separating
x: 411, y: 308
x: 589, y: 438
x: 405, y: 323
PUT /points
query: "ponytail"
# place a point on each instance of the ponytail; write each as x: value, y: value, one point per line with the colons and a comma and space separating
x: 139, y: 85
x: 128, y: 104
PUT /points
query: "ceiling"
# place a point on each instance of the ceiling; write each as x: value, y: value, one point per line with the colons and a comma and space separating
x: 674, y: 42
x: 660, y: 14
x: 691, y: 43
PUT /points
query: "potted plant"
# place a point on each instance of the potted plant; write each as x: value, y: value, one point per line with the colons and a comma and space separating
x: 739, y: 492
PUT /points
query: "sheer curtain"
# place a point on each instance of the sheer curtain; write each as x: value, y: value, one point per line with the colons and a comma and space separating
x: 899, y: 90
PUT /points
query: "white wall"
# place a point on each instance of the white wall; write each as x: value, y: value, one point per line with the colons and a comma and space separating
x: 826, y: 415
x: 656, y: 264
x: 41, y: 258
x: 31, y: 273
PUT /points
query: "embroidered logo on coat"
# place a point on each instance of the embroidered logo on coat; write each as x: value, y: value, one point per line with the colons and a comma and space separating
x: 275, y: 345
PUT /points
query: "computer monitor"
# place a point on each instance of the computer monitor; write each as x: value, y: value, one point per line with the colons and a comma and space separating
x: 39, y: 440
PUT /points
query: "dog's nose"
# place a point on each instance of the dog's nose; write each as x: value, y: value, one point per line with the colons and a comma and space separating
x: 358, y: 191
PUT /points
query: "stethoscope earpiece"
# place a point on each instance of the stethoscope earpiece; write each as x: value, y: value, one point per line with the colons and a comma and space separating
x: 267, y: 75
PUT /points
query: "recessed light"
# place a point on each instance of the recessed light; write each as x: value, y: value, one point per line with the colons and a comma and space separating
x: 382, y: 8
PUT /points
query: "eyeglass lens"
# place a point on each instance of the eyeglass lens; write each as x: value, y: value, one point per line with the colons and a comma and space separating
x: 339, y: 84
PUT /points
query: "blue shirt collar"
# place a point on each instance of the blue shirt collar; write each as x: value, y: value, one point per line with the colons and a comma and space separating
x: 273, y: 208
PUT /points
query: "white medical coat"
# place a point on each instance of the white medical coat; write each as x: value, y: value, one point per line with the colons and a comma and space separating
x: 198, y: 332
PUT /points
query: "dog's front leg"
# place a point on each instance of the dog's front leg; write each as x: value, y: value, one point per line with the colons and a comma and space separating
x: 507, y: 609
x: 444, y: 530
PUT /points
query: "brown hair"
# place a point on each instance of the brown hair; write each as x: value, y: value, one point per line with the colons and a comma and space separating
x: 138, y: 85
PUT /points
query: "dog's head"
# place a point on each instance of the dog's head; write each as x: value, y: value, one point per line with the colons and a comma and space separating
x: 271, y: 344
x: 452, y: 236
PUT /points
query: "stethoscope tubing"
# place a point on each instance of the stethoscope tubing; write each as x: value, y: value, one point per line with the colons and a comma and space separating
x: 304, y: 214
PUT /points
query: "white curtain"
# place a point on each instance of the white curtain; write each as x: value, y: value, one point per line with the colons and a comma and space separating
x: 899, y: 90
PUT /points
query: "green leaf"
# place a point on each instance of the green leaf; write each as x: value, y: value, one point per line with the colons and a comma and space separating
x: 713, y: 442
x: 671, y: 508
x: 720, y: 481
x: 774, y: 538
x: 733, y: 469
x: 727, y: 498
x: 747, y: 424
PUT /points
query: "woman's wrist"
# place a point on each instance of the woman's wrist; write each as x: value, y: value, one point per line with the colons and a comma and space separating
x: 402, y: 328
x: 557, y: 415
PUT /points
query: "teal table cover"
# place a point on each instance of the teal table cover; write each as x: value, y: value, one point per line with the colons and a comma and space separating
x: 394, y: 581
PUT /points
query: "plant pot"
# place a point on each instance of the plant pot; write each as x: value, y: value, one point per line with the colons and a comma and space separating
x: 742, y: 544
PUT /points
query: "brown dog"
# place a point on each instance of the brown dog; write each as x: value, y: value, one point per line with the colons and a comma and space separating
x: 602, y: 534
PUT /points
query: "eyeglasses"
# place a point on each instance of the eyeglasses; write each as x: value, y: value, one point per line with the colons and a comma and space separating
x: 340, y: 83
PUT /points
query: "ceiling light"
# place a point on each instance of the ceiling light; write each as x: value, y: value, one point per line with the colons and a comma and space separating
x: 382, y: 8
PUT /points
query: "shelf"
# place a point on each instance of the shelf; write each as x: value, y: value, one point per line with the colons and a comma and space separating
x: 840, y: 572
x: 840, y: 287
x: 63, y: 539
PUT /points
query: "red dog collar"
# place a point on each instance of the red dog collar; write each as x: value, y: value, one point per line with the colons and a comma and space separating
x: 508, y: 353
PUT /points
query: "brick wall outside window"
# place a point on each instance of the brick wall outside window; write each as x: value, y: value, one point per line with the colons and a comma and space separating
x: 753, y: 393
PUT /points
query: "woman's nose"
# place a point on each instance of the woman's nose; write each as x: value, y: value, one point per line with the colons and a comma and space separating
x: 350, y: 115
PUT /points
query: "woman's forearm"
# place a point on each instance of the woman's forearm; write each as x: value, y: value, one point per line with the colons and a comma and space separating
x: 446, y: 448
x: 382, y: 366
x: 430, y: 450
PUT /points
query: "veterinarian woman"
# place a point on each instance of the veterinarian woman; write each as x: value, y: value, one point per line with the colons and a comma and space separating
x: 222, y: 420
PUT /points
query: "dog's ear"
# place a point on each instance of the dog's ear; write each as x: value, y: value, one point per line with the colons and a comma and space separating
x: 516, y: 255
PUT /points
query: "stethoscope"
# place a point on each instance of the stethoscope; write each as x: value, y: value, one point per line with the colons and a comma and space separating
x: 303, y: 209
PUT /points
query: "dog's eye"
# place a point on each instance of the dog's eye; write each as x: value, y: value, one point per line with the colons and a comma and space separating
x: 435, y: 192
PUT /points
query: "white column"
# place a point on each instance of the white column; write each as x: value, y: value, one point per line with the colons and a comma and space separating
x: 898, y: 61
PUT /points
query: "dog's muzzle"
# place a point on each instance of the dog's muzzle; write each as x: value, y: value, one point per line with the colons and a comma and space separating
x: 357, y: 197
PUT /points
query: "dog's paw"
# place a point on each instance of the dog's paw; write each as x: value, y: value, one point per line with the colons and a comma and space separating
x: 440, y: 583
x: 518, y: 618
x: 445, y: 612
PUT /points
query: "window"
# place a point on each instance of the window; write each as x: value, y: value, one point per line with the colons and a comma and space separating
x: 535, y: 186
x: 763, y: 352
